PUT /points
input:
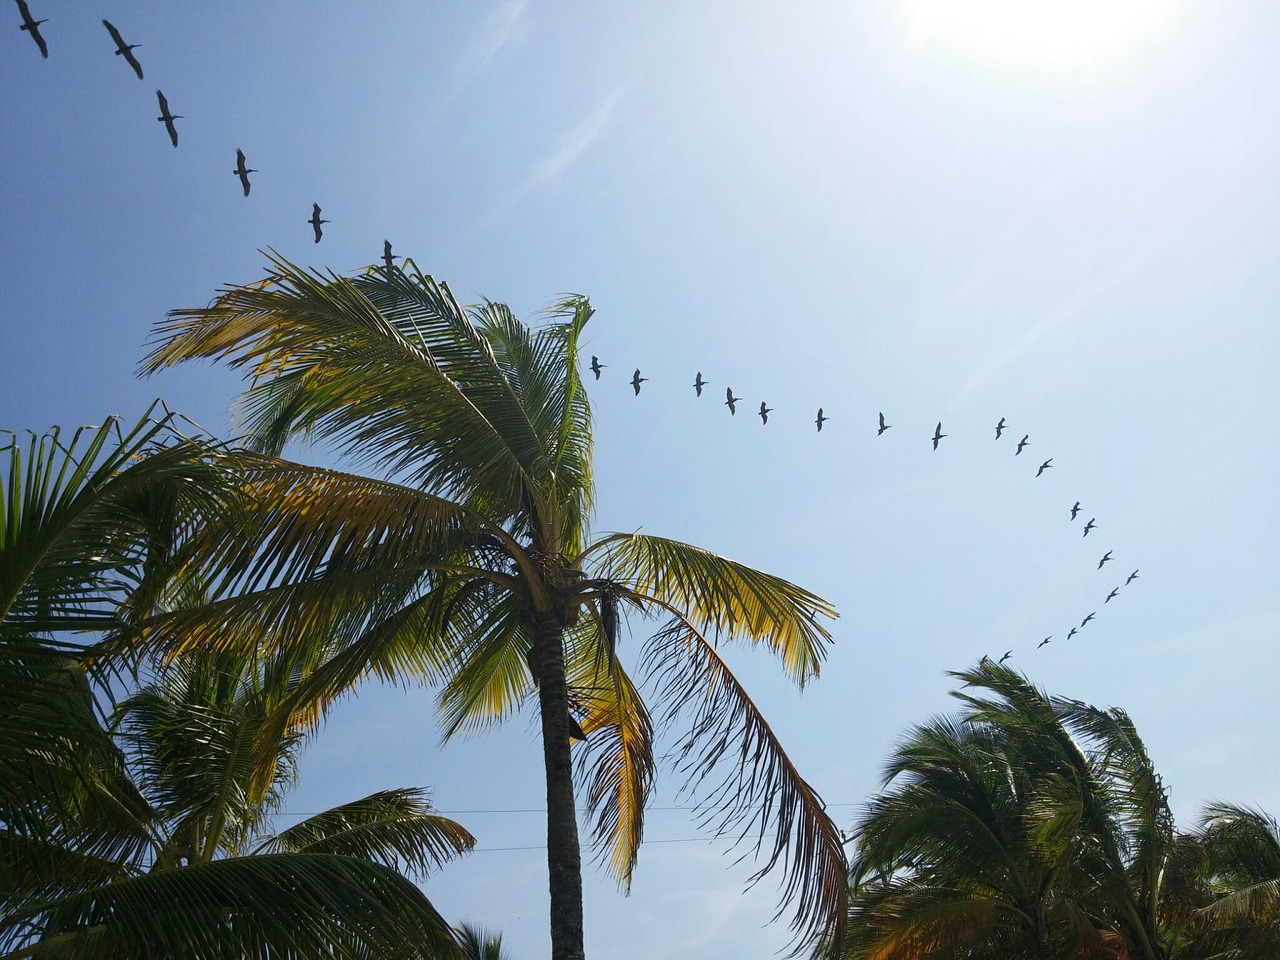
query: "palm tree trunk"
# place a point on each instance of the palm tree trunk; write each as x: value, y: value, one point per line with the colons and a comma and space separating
x: 564, y: 858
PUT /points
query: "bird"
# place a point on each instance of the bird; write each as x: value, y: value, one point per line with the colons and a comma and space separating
x: 243, y: 172
x: 698, y: 383
x: 1000, y: 428
x: 1075, y: 509
x: 1087, y: 619
x: 1007, y: 655
x: 167, y: 119
x: 1132, y: 577
x: 1089, y: 526
x: 730, y: 400
x: 937, y: 434
x: 764, y: 412
x: 315, y: 221
x: 821, y: 420
x: 1105, y: 558
x: 636, y: 380
x: 1112, y: 595
x: 33, y: 27
x: 1044, y: 641
x: 597, y: 366
x: 387, y: 257
x: 1047, y: 465
x: 883, y: 426
x: 1026, y: 438
x: 575, y: 729
x: 124, y: 49
x: 1072, y: 632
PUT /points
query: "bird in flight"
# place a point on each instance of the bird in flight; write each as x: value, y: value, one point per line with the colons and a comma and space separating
x: 821, y: 420
x: 1044, y: 641
x: 1007, y: 655
x: 636, y: 380
x: 33, y: 27
x: 883, y: 426
x: 243, y: 172
x: 730, y: 400
x: 1105, y: 558
x: 124, y: 49
x: 1026, y: 438
x: 764, y: 412
x: 1075, y: 509
x: 167, y: 118
x: 1112, y: 595
x: 1087, y: 619
x: 1047, y: 465
x: 1089, y: 526
x: 698, y: 383
x: 1132, y: 577
x: 315, y: 221
x: 1000, y: 428
x: 575, y: 729
x: 387, y: 258
x: 1072, y: 633
x: 937, y: 434
x: 597, y: 366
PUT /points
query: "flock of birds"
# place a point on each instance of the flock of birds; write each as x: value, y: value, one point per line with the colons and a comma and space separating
x: 730, y: 401
x: 31, y: 27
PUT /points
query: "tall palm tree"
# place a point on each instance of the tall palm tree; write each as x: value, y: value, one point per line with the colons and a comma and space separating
x: 91, y: 837
x: 468, y: 561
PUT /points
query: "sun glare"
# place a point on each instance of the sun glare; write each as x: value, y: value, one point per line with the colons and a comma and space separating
x: 1045, y: 33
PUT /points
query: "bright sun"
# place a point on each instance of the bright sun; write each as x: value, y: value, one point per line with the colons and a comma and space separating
x: 1044, y: 33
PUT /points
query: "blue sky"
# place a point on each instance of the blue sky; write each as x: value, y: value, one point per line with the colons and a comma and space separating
x: 818, y: 204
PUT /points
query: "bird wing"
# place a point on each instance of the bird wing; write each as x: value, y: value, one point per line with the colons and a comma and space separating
x: 164, y: 104
x: 115, y: 35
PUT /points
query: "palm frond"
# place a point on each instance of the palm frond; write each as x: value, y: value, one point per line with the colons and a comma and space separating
x: 720, y: 597
x: 762, y: 793
x: 396, y: 828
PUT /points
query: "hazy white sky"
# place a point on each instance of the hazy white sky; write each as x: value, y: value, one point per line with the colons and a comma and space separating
x: 1072, y: 223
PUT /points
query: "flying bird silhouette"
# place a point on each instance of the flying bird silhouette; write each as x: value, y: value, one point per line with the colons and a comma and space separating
x: 764, y: 412
x: 243, y: 172
x: 315, y: 221
x: 1044, y: 641
x: 1089, y: 526
x: 937, y: 434
x: 1087, y: 619
x: 124, y: 49
x: 1105, y: 558
x: 1007, y: 655
x: 1026, y: 439
x: 730, y: 400
x: 575, y: 729
x: 33, y: 27
x: 1000, y: 428
x: 821, y: 420
x: 698, y: 383
x: 387, y: 257
x: 597, y: 366
x: 167, y: 118
x: 1047, y: 465
x: 636, y: 380
x: 1112, y: 595
x: 883, y: 426
x: 1132, y: 577
x: 1072, y: 633
x: 1075, y: 509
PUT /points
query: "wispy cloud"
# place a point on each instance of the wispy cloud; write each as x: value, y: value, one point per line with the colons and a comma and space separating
x: 499, y: 28
x: 572, y: 145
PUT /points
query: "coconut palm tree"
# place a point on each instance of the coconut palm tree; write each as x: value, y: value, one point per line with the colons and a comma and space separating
x: 110, y: 853
x: 468, y: 562
x: 1241, y: 847
x: 480, y: 944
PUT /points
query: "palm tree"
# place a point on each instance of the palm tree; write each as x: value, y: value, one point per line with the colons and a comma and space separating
x: 479, y: 943
x: 1242, y: 866
x: 92, y: 837
x: 468, y: 561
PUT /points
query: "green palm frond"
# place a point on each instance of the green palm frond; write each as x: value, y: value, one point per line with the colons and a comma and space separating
x: 477, y: 943
x: 1242, y: 847
x: 720, y: 597
x: 762, y: 793
x: 280, y: 905
x: 396, y: 828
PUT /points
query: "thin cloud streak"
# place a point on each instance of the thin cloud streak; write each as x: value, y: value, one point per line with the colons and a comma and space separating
x: 499, y: 28
x: 573, y: 145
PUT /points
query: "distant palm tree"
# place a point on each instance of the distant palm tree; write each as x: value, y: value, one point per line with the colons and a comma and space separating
x: 469, y: 562
x: 480, y: 944
x: 107, y: 853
